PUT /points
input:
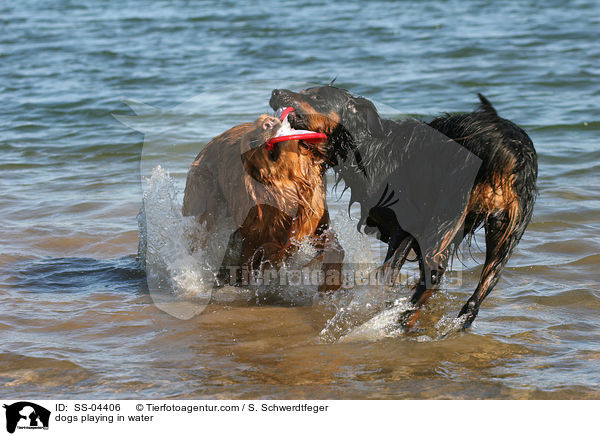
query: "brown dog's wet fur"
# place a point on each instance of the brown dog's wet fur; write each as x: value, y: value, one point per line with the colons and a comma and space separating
x: 275, y: 197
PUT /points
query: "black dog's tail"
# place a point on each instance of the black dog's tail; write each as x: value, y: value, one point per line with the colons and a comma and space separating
x: 507, y: 152
x: 486, y: 106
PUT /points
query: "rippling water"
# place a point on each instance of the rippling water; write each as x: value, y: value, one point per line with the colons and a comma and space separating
x: 76, y: 315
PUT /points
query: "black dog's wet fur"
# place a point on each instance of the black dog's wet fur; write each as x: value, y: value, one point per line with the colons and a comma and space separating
x: 365, y: 150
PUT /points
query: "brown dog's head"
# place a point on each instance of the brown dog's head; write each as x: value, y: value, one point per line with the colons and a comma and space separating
x: 286, y: 162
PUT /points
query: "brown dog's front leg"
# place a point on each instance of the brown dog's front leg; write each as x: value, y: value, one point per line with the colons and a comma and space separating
x: 331, y: 256
x: 333, y: 259
x: 229, y: 271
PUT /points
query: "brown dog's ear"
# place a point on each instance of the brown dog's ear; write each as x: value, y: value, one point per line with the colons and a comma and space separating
x: 360, y: 114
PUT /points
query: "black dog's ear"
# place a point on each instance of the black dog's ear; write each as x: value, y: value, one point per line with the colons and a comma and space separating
x: 317, y: 151
x: 360, y: 113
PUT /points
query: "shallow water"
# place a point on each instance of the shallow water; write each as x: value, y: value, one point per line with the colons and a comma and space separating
x: 76, y: 310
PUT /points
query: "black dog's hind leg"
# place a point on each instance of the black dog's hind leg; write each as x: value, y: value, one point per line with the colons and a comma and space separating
x: 501, y: 237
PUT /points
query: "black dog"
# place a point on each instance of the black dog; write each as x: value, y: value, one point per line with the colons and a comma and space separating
x: 426, y: 186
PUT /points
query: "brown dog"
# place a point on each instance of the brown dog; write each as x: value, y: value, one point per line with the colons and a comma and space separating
x: 276, y: 198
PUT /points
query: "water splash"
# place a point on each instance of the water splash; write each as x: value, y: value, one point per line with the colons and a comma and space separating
x: 181, y: 260
x: 179, y: 274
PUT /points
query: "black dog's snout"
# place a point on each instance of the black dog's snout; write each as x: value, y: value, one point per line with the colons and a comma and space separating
x: 278, y: 98
x: 275, y: 96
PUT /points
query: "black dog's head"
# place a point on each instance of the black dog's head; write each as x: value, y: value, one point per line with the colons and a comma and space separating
x: 346, y: 119
x: 325, y: 108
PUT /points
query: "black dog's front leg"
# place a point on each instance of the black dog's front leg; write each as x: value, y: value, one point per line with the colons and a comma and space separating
x: 389, y: 231
x: 399, y: 244
x: 424, y: 290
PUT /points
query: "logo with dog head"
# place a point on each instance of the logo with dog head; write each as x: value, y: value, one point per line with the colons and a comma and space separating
x: 26, y: 415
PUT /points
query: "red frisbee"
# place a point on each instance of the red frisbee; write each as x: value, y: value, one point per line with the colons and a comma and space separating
x: 286, y: 112
x: 304, y: 135
x: 308, y: 137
